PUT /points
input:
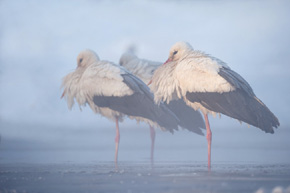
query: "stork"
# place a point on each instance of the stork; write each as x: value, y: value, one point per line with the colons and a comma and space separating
x: 208, y: 84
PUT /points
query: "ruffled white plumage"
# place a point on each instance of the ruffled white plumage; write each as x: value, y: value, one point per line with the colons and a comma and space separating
x: 195, y: 72
x: 198, y: 72
x: 104, y: 78
x: 100, y: 78
x: 164, y: 84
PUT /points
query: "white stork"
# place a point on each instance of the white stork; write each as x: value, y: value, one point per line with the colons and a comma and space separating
x: 144, y: 69
x: 113, y: 92
x: 208, y: 84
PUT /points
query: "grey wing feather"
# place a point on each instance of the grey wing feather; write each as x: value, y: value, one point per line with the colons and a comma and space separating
x: 189, y: 118
x: 236, y: 80
x: 140, y: 104
x: 136, y: 84
x: 241, y: 104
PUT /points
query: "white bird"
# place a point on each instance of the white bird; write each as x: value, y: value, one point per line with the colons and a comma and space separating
x: 113, y: 92
x: 208, y: 84
x: 144, y: 69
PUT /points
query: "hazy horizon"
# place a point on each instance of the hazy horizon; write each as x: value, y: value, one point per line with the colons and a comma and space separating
x: 39, y: 43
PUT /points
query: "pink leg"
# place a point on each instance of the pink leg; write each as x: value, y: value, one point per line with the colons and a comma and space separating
x: 152, y: 135
x: 208, y: 137
x: 117, y: 141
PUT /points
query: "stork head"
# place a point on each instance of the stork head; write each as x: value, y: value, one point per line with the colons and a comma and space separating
x: 178, y: 51
x: 86, y: 58
x: 126, y: 58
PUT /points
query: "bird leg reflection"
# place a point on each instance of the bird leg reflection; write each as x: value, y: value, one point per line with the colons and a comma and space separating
x: 152, y: 135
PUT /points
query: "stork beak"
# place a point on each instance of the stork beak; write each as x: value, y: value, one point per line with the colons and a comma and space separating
x: 62, y: 95
x: 149, y: 82
x: 168, y: 60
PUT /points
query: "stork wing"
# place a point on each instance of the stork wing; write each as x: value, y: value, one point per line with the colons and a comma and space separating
x: 189, y: 118
x: 241, y: 103
x: 236, y: 80
x: 140, y: 104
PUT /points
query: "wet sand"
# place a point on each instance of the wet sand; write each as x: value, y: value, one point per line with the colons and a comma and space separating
x: 141, y: 177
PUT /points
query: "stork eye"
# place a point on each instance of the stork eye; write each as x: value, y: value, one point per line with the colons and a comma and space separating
x: 175, y: 52
x: 81, y: 60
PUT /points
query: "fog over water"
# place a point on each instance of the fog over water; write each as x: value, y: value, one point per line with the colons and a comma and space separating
x: 39, y: 43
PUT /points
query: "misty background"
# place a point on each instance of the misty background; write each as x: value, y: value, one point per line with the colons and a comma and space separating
x: 39, y: 43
